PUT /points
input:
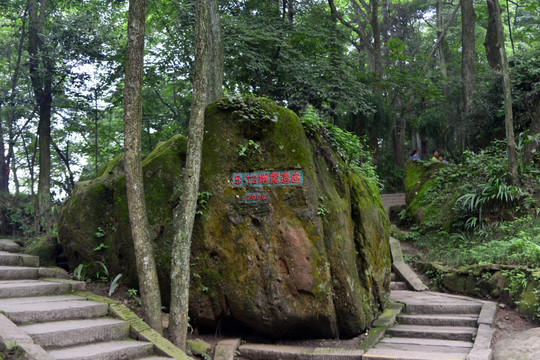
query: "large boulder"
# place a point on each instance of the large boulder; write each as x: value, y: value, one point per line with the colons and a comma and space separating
x: 303, y: 249
x: 522, y: 346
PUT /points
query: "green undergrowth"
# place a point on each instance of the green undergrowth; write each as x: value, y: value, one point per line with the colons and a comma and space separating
x: 353, y: 150
x: 505, y: 243
x: 471, y: 195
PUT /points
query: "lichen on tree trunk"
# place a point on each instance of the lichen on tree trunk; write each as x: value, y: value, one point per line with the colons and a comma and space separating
x: 184, y: 214
x: 144, y: 255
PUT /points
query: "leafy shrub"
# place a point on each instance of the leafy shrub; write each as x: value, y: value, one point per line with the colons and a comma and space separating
x: 17, y: 214
x: 479, y: 191
x: 353, y: 150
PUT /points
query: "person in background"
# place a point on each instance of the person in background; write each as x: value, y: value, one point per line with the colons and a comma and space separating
x: 441, y: 159
x: 414, y: 155
x: 435, y: 156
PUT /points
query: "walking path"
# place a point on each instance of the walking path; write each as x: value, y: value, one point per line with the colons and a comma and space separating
x: 45, y: 316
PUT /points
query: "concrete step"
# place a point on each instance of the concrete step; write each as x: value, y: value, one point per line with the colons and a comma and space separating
x: 18, y: 272
x: 433, y: 332
x: 111, y: 350
x: 41, y: 309
x: 10, y: 246
x: 434, y: 308
x: 11, y: 259
x: 26, y: 288
x: 393, y: 276
x: 468, y: 320
x: 425, y: 345
x: 154, y: 358
x: 398, y: 285
x: 76, y: 332
x: 391, y: 354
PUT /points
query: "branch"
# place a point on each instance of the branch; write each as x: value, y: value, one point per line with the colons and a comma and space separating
x: 357, y: 30
x: 358, y: 11
x: 171, y: 109
x: 441, y: 35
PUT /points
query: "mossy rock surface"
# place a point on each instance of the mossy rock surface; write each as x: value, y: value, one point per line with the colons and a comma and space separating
x: 46, y: 247
x: 421, y: 195
x: 312, y: 258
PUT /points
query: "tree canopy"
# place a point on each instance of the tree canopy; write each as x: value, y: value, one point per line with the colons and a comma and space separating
x: 389, y: 71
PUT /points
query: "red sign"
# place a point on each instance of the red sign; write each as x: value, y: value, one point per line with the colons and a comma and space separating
x: 268, y: 178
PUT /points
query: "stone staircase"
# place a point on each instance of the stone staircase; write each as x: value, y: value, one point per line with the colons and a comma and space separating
x: 432, y: 326
x: 397, y: 283
x: 41, y: 317
x: 390, y: 200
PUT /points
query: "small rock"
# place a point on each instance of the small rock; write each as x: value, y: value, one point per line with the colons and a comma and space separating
x: 502, y: 306
x: 507, y: 317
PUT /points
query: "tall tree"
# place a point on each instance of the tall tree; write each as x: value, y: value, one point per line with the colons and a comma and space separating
x: 496, y: 53
x: 146, y: 266
x: 468, y: 17
x: 41, y: 74
x: 215, y: 56
x: 184, y: 214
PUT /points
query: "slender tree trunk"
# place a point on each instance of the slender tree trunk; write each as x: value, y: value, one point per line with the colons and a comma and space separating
x: 533, y: 147
x: 4, y: 178
x: 496, y: 53
x: 440, y: 51
x: 96, y: 133
x: 467, y: 58
x: 215, y: 54
x: 184, y: 214
x: 40, y: 66
x: 146, y: 267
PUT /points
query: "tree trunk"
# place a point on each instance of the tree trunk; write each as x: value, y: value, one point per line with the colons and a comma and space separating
x: 495, y: 44
x: 440, y: 51
x: 184, y: 214
x: 467, y: 58
x: 533, y: 147
x: 40, y: 67
x: 491, y: 42
x: 146, y: 267
x: 214, y: 89
x: 4, y: 178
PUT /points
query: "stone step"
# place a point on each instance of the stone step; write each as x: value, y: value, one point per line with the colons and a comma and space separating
x: 26, y: 288
x: 10, y: 246
x: 429, y: 345
x: 32, y: 310
x: 433, y: 308
x: 391, y: 354
x: 11, y: 259
x: 398, y: 285
x: 468, y: 320
x: 433, y: 332
x: 111, y: 350
x: 282, y: 352
x: 154, y: 358
x: 18, y: 272
x: 76, y: 332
